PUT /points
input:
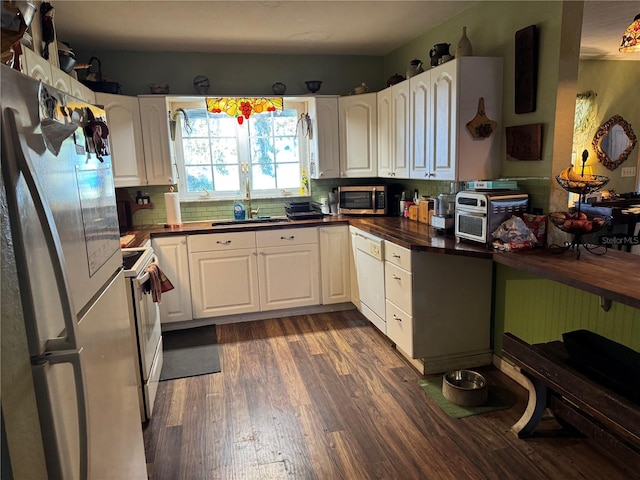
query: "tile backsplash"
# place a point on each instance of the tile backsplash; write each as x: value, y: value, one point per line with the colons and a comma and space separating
x: 537, y: 188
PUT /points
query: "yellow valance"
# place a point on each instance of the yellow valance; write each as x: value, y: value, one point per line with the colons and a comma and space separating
x: 243, y: 107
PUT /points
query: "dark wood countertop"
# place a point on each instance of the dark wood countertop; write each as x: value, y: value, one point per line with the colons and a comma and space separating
x: 614, y: 276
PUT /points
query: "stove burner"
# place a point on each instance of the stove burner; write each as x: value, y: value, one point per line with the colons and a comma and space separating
x: 130, y: 258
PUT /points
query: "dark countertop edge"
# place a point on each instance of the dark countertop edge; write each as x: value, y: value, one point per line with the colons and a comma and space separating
x: 591, y: 273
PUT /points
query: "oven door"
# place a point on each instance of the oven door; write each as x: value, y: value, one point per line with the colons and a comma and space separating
x: 471, y: 226
x: 149, y: 334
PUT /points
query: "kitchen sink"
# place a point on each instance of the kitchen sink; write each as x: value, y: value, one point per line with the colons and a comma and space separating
x: 217, y: 223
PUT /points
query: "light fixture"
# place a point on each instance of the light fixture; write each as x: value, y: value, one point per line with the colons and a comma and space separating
x: 631, y: 37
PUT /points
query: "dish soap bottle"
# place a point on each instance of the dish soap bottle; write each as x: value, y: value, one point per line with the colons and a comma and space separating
x: 238, y: 210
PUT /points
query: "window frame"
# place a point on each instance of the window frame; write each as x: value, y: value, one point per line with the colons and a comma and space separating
x: 244, y: 154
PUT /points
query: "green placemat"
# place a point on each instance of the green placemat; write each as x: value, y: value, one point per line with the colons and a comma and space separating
x: 498, y: 399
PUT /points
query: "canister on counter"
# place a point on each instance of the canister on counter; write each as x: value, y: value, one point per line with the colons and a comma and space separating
x: 425, y: 211
x: 413, y: 212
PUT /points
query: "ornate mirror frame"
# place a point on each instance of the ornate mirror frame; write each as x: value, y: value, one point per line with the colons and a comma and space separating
x: 603, y: 131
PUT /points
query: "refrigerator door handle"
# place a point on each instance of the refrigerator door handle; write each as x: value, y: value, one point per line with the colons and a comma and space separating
x: 50, y: 442
x: 15, y: 164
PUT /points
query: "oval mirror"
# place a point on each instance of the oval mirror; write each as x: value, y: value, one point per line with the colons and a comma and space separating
x: 613, y: 142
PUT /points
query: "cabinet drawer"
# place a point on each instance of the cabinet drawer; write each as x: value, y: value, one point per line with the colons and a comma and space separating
x: 212, y: 242
x: 398, y: 286
x: 286, y: 236
x: 399, y: 327
x: 397, y: 255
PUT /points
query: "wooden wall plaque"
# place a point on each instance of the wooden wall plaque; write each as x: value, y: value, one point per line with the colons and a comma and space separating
x: 524, y: 142
x: 526, y: 69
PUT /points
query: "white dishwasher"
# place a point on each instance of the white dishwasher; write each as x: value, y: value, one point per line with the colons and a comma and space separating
x: 370, y: 271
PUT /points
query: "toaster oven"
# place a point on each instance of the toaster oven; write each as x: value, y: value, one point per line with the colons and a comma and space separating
x: 479, y: 214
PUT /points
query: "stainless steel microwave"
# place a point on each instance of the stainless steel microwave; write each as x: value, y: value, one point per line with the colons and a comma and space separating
x: 363, y: 200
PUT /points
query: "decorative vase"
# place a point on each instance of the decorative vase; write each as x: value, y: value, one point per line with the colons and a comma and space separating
x: 279, y: 88
x: 464, y: 45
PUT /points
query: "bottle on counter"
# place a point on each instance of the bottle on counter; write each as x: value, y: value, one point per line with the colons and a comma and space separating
x: 239, y: 211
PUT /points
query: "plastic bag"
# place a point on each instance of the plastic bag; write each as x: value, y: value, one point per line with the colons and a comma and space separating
x: 514, y: 230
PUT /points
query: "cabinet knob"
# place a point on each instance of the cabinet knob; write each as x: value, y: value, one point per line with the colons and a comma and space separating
x: 395, y: 317
x: 426, y: 174
x: 183, y: 242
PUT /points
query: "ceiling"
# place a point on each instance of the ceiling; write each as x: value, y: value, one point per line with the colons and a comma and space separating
x: 293, y: 27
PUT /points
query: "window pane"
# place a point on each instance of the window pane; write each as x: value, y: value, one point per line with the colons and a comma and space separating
x: 196, y: 151
x: 198, y: 178
x: 222, y: 125
x: 263, y: 179
x: 224, y: 150
x: 286, y: 149
x: 198, y: 122
x: 260, y: 124
x: 262, y: 152
x: 285, y: 125
x: 288, y: 175
x: 227, y: 178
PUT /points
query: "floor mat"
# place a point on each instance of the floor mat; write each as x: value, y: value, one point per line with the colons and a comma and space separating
x: 498, y: 399
x: 191, y: 352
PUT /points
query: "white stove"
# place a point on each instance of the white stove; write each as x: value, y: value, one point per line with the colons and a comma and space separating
x: 145, y: 323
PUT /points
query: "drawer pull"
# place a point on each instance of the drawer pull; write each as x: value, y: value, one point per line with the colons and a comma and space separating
x: 395, y: 317
x: 226, y: 242
x: 395, y: 277
x: 288, y: 238
x: 395, y: 255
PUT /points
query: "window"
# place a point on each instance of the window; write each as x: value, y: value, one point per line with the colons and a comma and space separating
x: 217, y: 158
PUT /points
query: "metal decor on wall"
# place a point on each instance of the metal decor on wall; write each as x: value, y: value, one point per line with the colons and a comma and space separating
x: 526, y: 69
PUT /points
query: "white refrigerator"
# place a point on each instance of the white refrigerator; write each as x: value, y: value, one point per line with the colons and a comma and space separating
x: 69, y: 398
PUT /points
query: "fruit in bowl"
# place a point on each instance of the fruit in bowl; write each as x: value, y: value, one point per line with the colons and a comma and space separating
x: 577, y: 222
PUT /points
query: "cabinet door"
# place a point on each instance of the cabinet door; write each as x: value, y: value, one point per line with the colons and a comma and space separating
x: 81, y: 91
x: 35, y: 66
x: 334, y: 264
x: 445, y: 121
x: 224, y: 282
x: 155, y: 137
x: 325, y: 152
x: 288, y: 276
x: 353, y: 271
x: 174, y: 262
x: 127, y: 155
x: 401, y: 135
x: 420, y: 125
x: 385, y: 133
x: 60, y: 80
x: 358, y: 136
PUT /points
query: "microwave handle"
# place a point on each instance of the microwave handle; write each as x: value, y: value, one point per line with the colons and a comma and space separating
x: 373, y: 199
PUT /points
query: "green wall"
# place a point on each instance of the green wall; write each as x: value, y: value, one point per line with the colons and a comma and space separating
x: 539, y: 310
x: 616, y: 86
x: 237, y: 74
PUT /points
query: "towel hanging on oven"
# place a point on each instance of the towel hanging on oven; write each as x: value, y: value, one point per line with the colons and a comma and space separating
x: 158, y: 282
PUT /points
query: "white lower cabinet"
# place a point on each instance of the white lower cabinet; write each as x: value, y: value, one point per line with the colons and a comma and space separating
x: 224, y: 275
x: 353, y: 270
x: 334, y: 268
x: 438, y: 308
x: 175, y: 305
x: 288, y: 268
x: 244, y: 272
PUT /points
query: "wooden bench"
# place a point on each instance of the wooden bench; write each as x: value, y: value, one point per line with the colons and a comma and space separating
x: 598, y: 412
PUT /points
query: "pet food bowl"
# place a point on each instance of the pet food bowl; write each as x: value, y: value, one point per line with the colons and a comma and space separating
x: 465, y: 388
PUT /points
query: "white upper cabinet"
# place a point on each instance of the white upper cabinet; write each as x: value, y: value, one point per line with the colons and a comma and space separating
x: 358, y: 136
x: 385, y: 132
x: 154, y: 116
x: 35, y: 66
x: 443, y: 100
x: 394, y: 138
x: 325, y: 151
x: 125, y: 137
x: 60, y: 80
x: 81, y: 91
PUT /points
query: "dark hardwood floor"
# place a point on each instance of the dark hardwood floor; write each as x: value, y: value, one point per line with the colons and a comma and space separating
x: 326, y: 397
